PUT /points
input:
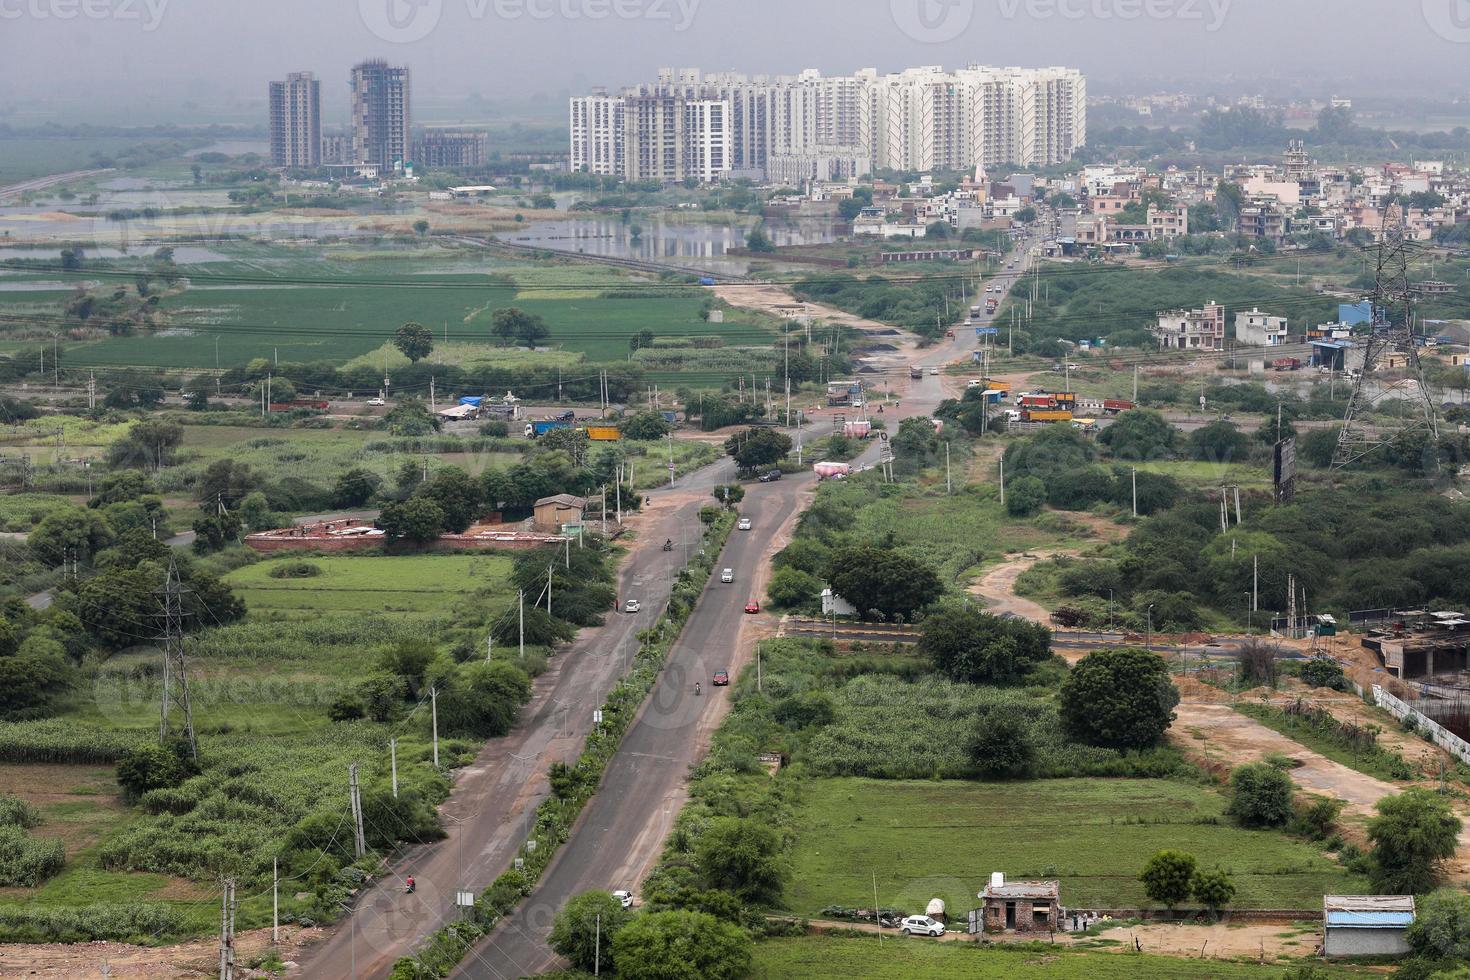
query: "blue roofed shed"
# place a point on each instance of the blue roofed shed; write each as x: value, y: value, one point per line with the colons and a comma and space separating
x: 1366, y: 925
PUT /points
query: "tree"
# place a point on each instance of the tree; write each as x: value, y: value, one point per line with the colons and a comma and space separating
x: 421, y: 227
x: 757, y: 448
x: 151, y: 766
x: 513, y: 323
x: 1323, y: 672
x: 644, y: 426
x: 1218, y: 442
x: 480, y: 699
x: 728, y: 494
x: 791, y: 587
x: 883, y: 580
x: 584, y: 928
x: 457, y: 495
x: 1002, y: 746
x: 1213, y: 889
x: 1119, y: 698
x: 419, y: 520
x: 414, y: 341
x: 228, y: 481
x: 679, y: 945
x: 640, y: 340
x: 69, y: 533
x: 974, y: 647
x: 149, y: 443
x: 355, y: 488
x: 740, y: 856
x: 1168, y: 877
x: 31, y: 673
x: 1139, y: 434
x: 1260, y: 795
x: 213, y: 532
x: 1413, y: 833
x: 759, y: 241
x: 1025, y: 496
x: 117, y: 603
x: 1025, y: 215
x: 1441, y: 926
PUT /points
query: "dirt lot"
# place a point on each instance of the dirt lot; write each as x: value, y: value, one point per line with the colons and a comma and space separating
x: 195, y: 961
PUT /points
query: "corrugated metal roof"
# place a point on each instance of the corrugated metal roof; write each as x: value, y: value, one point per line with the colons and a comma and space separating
x: 1370, y: 920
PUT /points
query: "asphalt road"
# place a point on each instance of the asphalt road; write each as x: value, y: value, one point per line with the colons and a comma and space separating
x: 619, y: 832
x: 495, y: 798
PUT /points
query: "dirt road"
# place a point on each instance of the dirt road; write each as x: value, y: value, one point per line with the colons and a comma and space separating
x: 998, y: 587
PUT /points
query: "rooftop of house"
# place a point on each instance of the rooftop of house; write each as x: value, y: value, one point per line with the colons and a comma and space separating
x: 1024, y: 889
x: 565, y: 500
x: 1368, y: 911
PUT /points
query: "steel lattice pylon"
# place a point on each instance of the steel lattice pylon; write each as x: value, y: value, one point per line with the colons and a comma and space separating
x: 175, y: 670
x: 1391, y: 329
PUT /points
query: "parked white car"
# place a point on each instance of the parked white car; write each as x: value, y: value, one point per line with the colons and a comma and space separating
x: 921, y: 925
x: 727, y: 576
x: 744, y: 524
x: 376, y: 402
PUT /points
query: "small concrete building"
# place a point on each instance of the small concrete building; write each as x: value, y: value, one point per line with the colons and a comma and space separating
x: 1021, y: 906
x: 1366, y: 925
x: 552, y: 512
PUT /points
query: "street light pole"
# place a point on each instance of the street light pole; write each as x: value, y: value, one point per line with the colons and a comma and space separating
x: 1149, y: 636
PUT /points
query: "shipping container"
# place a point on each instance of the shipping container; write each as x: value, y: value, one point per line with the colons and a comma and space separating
x: 1046, y: 415
x: 604, y: 433
x: 1115, y: 405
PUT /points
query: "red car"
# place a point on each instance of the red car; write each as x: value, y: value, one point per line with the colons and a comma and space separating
x: 722, y: 678
x: 752, y: 606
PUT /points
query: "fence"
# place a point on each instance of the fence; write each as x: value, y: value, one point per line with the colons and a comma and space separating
x: 1438, y: 734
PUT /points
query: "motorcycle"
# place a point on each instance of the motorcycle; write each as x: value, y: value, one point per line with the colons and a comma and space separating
x: 412, y: 885
x: 669, y: 545
x: 696, y: 687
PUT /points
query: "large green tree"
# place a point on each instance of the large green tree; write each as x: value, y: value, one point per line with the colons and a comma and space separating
x: 584, y: 929
x: 513, y: 323
x: 419, y: 520
x: 975, y: 647
x: 741, y: 856
x: 1119, y: 698
x: 1168, y: 877
x: 681, y: 945
x: 414, y: 341
x: 69, y: 533
x: 882, y: 580
x: 1140, y: 434
x: 756, y: 448
x: 1413, y: 834
x: 1441, y: 926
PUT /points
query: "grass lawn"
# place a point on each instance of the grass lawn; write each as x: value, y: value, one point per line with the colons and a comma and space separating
x: 415, y: 585
x: 944, y: 838
x: 468, y: 355
x: 821, y: 957
x: 1192, y: 473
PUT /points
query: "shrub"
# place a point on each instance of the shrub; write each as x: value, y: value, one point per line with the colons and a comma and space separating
x: 1318, y: 819
x: 1260, y: 795
x: 584, y: 929
x: 1323, y: 672
x: 1213, y: 889
x: 295, y: 569
x: 1413, y: 833
x: 16, y: 812
x: 1441, y: 926
x: 1025, y: 496
x: 1002, y: 746
x: 740, y: 856
x: 149, y: 767
x: 1168, y: 877
x: 28, y: 861
x: 663, y: 945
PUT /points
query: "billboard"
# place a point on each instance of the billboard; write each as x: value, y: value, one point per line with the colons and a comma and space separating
x: 1283, y: 476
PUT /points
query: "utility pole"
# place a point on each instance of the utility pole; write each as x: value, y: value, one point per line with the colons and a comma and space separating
x: 433, y: 406
x: 275, y: 901
x: 175, y: 668
x: 393, y: 762
x: 354, y: 798
x: 1002, y: 481
x: 521, y: 608
x: 1135, y: 382
x: 227, y: 930
x: 91, y: 390
x: 948, y: 486
x: 597, y: 947
x: 434, y: 715
x: 1135, y: 491
x: 549, y: 567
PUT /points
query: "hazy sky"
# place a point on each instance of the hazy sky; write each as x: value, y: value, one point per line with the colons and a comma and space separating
x: 222, y: 52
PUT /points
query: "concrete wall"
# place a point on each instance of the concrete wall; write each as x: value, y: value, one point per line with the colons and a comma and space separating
x: 1438, y: 734
x: 1344, y: 941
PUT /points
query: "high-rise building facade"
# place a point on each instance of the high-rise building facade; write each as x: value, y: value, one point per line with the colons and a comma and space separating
x: 451, y: 149
x: 296, y: 121
x: 597, y: 128
x: 923, y: 118
x: 380, y: 115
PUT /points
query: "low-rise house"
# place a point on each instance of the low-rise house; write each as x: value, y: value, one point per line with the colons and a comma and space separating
x: 1257, y: 329
x: 1021, y: 906
x: 1366, y: 925
x: 554, y: 511
x: 1201, y: 329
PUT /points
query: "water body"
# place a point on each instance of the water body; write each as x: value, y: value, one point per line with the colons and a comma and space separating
x: 699, y: 243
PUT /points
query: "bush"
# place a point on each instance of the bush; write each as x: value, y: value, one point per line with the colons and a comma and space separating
x: 1441, y: 926
x: 584, y: 929
x: 1025, y: 497
x: 1213, y: 889
x: 666, y: 945
x: 150, y: 767
x: 1002, y: 746
x: 16, y: 812
x: 1323, y: 672
x: 1318, y: 819
x: 1413, y: 833
x: 1168, y: 877
x: 295, y: 569
x: 1260, y: 795
x: 740, y: 856
x: 1120, y: 698
x: 27, y: 861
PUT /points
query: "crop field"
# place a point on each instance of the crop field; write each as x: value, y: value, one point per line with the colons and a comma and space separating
x: 944, y: 838
x: 408, y: 585
x: 831, y: 958
x: 1194, y: 473
x: 23, y: 511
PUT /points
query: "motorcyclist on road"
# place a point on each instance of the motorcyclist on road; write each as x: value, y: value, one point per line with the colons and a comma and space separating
x: 696, y: 687
x: 410, y: 883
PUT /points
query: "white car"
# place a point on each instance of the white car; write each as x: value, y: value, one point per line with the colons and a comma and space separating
x: 624, y: 897
x: 727, y: 576
x: 376, y: 402
x: 934, y: 372
x: 632, y: 606
x: 744, y: 524
x: 921, y: 925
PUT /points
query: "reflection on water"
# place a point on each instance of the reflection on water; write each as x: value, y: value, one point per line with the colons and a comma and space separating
x: 699, y: 243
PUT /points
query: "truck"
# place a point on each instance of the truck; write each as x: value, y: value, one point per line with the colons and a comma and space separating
x: 831, y: 471
x: 1036, y: 401
x: 857, y: 430
x: 1045, y: 415
x: 1286, y: 364
x: 996, y: 384
x: 540, y: 427
x: 1115, y: 405
x: 990, y: 304
x: 845, y: 393
x: 916, y: 373
x: 604, y: 433
x: 1065, y: 399
x: 974, y: 311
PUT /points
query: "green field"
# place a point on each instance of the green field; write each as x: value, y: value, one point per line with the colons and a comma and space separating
x: 944, y: 838
x: 412, y: 585
x: 821, y: 958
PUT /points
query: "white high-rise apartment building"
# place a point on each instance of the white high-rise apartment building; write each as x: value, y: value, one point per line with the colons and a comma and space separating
x: 923, y: 118
x: 597, y: 127
x: 296, y: 121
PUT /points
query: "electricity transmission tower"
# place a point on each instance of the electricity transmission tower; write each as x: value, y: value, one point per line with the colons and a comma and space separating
x: 175, y: 670
x: 1391, y: 329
